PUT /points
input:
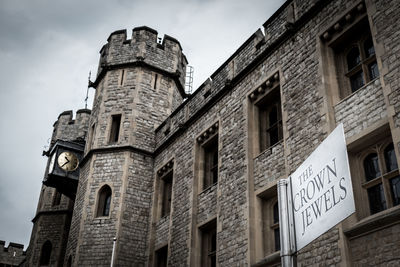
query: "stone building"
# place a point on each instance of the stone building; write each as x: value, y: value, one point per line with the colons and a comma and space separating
x: 12, y: 255
x: 171, y: 179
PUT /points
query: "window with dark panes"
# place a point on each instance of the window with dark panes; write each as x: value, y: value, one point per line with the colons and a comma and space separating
x: 161, y: 257
x: 210, y: 162
x: 209, y: 245
x: 270, y: 119
x: 115, y: 125
x: 381, y: 178
x: 356, y: 63
x: 45, y: 254
x: 166, y: 194
x: 104, y: 201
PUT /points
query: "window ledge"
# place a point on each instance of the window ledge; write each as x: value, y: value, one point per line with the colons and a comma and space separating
x: 210, y: 188
x: 273, y: 258
x: 374, y: 223
x: 376, y: 81
x: 270, y: 150
x: 102, y: 220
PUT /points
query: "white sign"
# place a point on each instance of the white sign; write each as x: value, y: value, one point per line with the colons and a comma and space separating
x: 322, y: 193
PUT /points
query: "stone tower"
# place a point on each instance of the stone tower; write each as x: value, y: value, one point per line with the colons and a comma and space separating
x: 54, y: 211
x: 140, y: 81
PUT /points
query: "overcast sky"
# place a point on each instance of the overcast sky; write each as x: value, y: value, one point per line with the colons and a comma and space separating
x: 47, y: 49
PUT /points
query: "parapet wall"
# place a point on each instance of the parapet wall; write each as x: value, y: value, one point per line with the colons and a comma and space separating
x: 67, y: 128
x: 144, y: 48
x: 12, y: 255
x: 245, y: 58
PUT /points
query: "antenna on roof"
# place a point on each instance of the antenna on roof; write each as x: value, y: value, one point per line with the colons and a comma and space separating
x: 87, y: 90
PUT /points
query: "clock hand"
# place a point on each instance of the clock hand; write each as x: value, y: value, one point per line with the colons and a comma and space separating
x: 64, y: 164
x: 67, y: 159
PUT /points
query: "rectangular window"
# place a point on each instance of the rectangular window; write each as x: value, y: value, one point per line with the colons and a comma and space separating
x: 115, y: 125
x: 270, y: 221
x: 56, y: 198
x: 210, y: 162
x: 166, y: 185
x: 90, y: 139
x: 122, y: 77
x: 353, y: 53
x: 161, y: 257
x: 209, y: 245
x: 270, y: 119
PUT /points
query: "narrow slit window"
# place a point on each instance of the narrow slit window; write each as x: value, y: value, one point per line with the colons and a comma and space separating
x: 121, y: 82
x: 211, y: 163
x: 166, y: 195
x: 155, y: 81
x: 57, y: 198
x: 115, y: 125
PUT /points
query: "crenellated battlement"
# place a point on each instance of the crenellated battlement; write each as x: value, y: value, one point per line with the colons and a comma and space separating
x: 12, y: 255
x: 143, y: 49
x: 67, y: 128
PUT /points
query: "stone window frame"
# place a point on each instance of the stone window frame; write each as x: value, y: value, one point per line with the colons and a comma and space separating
x: 266, y: 96
x: 57, y: 196
x: 114, y: 132
x: 122, y: 77
x: 208, y: 249
x: 382, y: 179
x: 161, y: 257
x: 92, y: 132
x: 164, y: 177
x: 267, y: 198
x: 101, y: 198
x: 373, y: 140
x: 207, y: 146
x: 337, y: 40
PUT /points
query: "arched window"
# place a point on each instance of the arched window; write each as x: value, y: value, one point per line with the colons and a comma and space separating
x: 353, y: 58
x: 382, y: 179
x: 45, y: 253
x: 390, y: 158
x: 104, y: 201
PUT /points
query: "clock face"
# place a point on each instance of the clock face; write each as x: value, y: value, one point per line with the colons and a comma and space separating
x: 68, y: 161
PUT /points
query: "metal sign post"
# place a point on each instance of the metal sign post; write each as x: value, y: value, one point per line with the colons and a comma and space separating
x: 287, y: 232
x: 316, y: 197
x: 113, y: 252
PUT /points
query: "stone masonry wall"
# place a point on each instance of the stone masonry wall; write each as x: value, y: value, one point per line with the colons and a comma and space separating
x: 135, y: 212
x: 362, y: 109
x: 303, y: 103
x: 162, y: 232
x: 77, y: 215
x: 95, y: 239
x: 379, y: 248
x: 11, y: 255
x: 207, y: 201
x: 269, y: 166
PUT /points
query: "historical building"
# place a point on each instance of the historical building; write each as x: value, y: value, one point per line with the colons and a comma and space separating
x: 12, y: 255
x: 153, y: 176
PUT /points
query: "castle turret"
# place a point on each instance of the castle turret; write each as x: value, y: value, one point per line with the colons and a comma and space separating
x: 54, y: 211
x: 140, y: 81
